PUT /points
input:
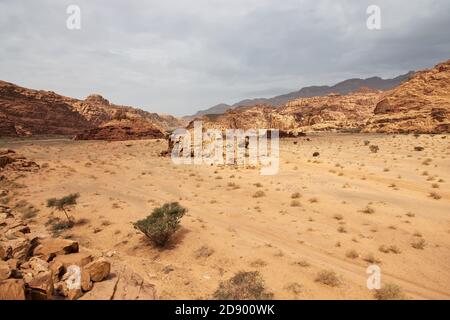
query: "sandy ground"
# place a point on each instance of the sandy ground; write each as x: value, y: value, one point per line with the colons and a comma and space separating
x: 121, y: 182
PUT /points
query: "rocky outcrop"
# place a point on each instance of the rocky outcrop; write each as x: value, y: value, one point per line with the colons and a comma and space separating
x: 27, y: 112
x: 420, y: 105
x: 122, y: 130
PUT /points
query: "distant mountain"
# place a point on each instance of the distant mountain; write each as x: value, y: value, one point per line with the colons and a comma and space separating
x: 343, y: 87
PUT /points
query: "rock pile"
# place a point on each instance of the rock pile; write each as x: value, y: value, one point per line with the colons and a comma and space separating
x: 32, y: 267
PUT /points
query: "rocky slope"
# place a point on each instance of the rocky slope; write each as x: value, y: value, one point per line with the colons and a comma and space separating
x: 421, y: 104
x: 343, y: 87
x: 26, y: 112
x: 334, y: 111
x: 37, y: 266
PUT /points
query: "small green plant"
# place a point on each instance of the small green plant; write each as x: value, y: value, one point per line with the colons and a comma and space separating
x: 162, y: 223
x: 243, y: 286
x: 64, y: 203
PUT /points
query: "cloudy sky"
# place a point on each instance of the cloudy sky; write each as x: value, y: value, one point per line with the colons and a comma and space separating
x: 178, y: 56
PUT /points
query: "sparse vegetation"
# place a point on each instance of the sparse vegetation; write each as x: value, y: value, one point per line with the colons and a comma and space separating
x: 259, y: 194
x: 62, y: 204
x: 374, y: 148
x: 329, y: 278
x: 389, y: 292
x: 419, y: 244
x: 352, y: 254
x: 162, y: 223
x: 243, y: 286
x: 296, y: 195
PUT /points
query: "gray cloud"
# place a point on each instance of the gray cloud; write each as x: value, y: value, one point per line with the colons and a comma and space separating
x: 177, y: 56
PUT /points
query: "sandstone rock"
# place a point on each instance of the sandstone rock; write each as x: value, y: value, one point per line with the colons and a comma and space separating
x: 41, y: 286
x: 14, y: 266
x: 50, y: 248
x: 5, y: 251
x: 20, y: 248
x: 38, y: 265
x: 98, y: 269
x: 5, y: 270
x: 79, y: 259
x: 12, y: 289
x: 57, y: 269
x: 86, y: 283
x: 74, y: 294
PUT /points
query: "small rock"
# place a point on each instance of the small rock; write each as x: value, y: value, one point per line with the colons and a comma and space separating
x: 98, y: 269
x: 41, y: 286
x: 316, y: 154
x: 20, y: 248
x: 74, y: 294
x: 5, y: 270
x: 12, y: 289
x: 86, y: 283
x: 5, y: 251
x: 38, y: 265
x: 79, y: 259
x: 50, y: 248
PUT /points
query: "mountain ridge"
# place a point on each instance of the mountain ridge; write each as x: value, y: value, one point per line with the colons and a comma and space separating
x: 342, y: 87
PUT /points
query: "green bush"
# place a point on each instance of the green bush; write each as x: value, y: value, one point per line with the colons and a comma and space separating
x: 243, y: 286
x: 63, y: 203
x: 162, y: 223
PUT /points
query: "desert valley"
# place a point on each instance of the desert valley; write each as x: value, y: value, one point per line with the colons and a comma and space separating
x: 364, y: 180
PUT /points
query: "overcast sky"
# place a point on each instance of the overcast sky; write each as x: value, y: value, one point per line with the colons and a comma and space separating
x: 179, y: 56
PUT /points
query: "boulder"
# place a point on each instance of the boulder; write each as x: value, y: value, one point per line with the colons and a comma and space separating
x: 5, y: 270
x: 20, y: 248
x: 86, y: 283
x: 38, y: 265
x: 79, y: 259
x: 41, y: 286
x: 98, y: 269
x: 50, y: 248
x: 12, y: 289
x: 5, y: 251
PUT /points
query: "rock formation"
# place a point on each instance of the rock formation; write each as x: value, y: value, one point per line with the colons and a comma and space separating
x: 420, y: 105
x: 27, y: 112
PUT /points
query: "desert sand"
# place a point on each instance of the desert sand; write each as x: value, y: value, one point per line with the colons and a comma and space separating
x: 338, y: 211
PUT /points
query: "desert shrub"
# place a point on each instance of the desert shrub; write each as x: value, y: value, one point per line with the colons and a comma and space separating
x: 162, y: 223
x: 295, y: 203
x: 62, y: 204
x: 389, y: 292
x: 418, y: 148
x: 366, y: 142
x: 296, y: 195
x: 329, y: 278
x: 316, y: 154
x: 370, y: 258
x: 352, y: 254
x: 204, y: 252
x: 435, y: 195
x: 374, y: 148
x: 419, y: 244
x: 243, y: 286
x: 259, y: 194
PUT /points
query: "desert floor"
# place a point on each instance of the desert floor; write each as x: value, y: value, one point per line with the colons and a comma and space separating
x: 352, y: 203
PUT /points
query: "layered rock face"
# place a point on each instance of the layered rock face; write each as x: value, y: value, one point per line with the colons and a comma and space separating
x: 333, y: 112
x: 27, y: 112
x: 421, y: 104
x: 117, y: 130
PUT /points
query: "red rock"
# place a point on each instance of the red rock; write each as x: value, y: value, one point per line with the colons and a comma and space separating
x: 98, y: 269
x: 12, y: 289
x: 50, y: 248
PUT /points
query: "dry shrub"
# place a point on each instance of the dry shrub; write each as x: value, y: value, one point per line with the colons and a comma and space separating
x: 329, y: 278
x: 390, y: 291
x: 243, y: 286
